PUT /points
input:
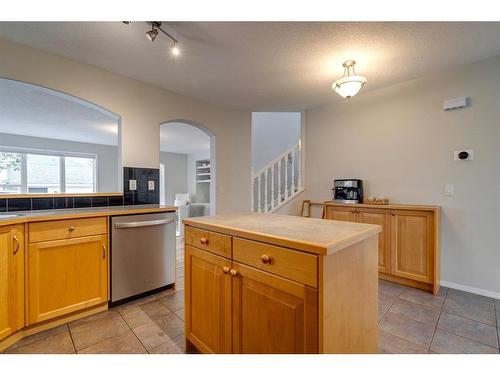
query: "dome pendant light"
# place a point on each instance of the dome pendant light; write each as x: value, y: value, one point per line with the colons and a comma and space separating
x: 350, y: 84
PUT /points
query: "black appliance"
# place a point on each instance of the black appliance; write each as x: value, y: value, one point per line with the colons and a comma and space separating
x: 348, y: 191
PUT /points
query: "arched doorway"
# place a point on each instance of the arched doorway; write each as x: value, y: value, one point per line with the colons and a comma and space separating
x: 188, y: 166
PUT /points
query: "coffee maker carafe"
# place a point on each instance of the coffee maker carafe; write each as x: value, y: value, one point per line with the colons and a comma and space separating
x: 348, y: 191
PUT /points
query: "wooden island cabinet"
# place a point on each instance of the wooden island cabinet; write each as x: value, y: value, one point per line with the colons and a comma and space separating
x: 408, y: 244
x: 280, y: 284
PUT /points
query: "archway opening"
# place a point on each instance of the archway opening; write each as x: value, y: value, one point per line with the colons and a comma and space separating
x: 187, y: 169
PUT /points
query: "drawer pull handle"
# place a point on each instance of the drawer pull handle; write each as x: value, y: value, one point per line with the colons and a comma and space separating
x: 16, y: 247
x: 71, y: 228
x: 225, y: 269
x: 103, y: 251
x: 266, y: 259
x: 233, y: 272
x: 204, y: 241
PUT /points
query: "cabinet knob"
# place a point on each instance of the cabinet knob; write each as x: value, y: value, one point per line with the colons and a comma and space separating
x: 71, y: 228
x: 225, y: 269
x: 204, y: 241
x: 266, y: 259
x: 233, y: 272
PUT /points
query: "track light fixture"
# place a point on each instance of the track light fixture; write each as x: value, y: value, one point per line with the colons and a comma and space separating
x: 153, y: 33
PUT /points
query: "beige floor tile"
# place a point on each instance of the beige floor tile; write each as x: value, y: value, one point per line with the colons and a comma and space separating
x: 135, y: 318
x: 175, y: 346
x: 89, y: 331
x: 151, y: 335
x: 180, y: 313
x: 470, y: 306
x: 174, y: 301
x: 133, y: 305
x: 124, y: 343
x: 390, y: 344
x: 385, y: 301
x: 39, y: 336
x: 447, y: 343
x: 422, y: 297
x: 179, y: 284
x: 470, y: 329
x: 389, y: 288
x: 55, y: 344
x: 424, y: 314
x: 408, y: 329
x: 171, y: 325
x: 155, y: 310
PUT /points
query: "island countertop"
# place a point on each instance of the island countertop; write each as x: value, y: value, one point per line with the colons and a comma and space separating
x: 19, y: 217
x: 312, y: 235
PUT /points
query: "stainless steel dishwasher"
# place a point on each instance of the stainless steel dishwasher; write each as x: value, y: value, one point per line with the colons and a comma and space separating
x: 142, y: 254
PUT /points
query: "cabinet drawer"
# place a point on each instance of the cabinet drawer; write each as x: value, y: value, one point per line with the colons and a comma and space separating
x: 216, y: 243
x: 64, y: 229
x: 291, y: 264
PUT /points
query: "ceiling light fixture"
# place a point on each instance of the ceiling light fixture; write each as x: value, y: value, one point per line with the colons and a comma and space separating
x: 350, y: 84
x: 153, y: 33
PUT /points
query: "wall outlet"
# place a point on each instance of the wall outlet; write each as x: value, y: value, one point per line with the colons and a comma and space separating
x: 151, y: 185
x: 132, y: 184
x: 448, y: 189
x: 463, y: 155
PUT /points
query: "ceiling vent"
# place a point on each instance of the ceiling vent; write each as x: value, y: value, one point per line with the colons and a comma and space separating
x: 455, y: 103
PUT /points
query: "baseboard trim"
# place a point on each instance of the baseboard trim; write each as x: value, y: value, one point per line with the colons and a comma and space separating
x: 465, y: 288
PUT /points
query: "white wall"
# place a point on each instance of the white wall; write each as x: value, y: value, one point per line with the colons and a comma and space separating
x: 272, y: 134
x: 143, y: 108
x: 107, y: 156
x: 176, y: 177
x: 401, y: 143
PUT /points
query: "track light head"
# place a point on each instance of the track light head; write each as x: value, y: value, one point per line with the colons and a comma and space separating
x: 152, y: 34
x: 175, y: 49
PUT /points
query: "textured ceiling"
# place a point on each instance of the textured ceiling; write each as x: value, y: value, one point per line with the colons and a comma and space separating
x: 267, y: 65
x: 34, y: 111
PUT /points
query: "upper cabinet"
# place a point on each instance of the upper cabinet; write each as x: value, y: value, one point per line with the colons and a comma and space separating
x: 11, y: 279
x: 52, y: 142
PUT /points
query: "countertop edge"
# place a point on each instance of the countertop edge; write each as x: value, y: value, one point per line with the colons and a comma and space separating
x: 306, y: 246
x: 86, y: 212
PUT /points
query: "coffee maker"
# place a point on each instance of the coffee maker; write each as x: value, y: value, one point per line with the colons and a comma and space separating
x: 348, y: 191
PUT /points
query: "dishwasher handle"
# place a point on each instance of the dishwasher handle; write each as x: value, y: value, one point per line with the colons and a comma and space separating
x: 138, y: 224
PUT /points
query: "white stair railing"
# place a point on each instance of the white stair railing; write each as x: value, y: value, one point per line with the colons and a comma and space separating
x: 278, y: 182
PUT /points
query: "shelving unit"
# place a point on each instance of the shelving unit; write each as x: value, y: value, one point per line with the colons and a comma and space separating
x: 203, y: 179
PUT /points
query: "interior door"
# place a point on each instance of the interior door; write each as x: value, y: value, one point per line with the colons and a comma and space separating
x: 11, y: 279
x: 208, y: 301
x: 382, y: 218
x: 66, y: 276
x: 412, y: 244
x: 272, y: 314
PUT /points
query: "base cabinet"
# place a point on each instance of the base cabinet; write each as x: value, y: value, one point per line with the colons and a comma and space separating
x: 272, y: 314
x: 208, y: 308
x: 408, y: 243
x: 11, y: 279
x: 66, y: 275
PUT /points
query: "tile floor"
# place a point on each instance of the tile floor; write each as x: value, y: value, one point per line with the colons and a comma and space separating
x: 410, y: 321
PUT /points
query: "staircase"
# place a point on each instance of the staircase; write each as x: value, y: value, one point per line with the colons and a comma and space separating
x: 278, y: 182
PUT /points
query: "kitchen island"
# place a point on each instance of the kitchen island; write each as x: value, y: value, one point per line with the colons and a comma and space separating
x: 265, y: 283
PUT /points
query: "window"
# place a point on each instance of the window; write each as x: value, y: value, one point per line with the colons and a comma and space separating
x: 29, y: 171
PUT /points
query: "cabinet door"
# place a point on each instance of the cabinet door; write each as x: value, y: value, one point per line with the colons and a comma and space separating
x: 11, y: 279
x: 208, y: 301
x: 343, y: 214
x: 412, y: 245
x: 66, y: 276
x: 382, y: 218
x: 272, y: 314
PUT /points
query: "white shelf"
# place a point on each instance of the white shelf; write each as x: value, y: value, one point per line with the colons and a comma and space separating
x: 203, y: 167
x: 203, y: 181
x: 203, y: 174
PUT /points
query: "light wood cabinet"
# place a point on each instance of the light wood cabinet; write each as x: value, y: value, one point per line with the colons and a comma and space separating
x: 11, y: 279
x: 408, y: 243
x: 412, y: 239
x: 208, y: 307
x: 66, y: 276
x: 272, y: 314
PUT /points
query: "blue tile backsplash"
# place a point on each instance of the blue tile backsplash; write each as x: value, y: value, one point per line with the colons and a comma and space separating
x: 140, y: 196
